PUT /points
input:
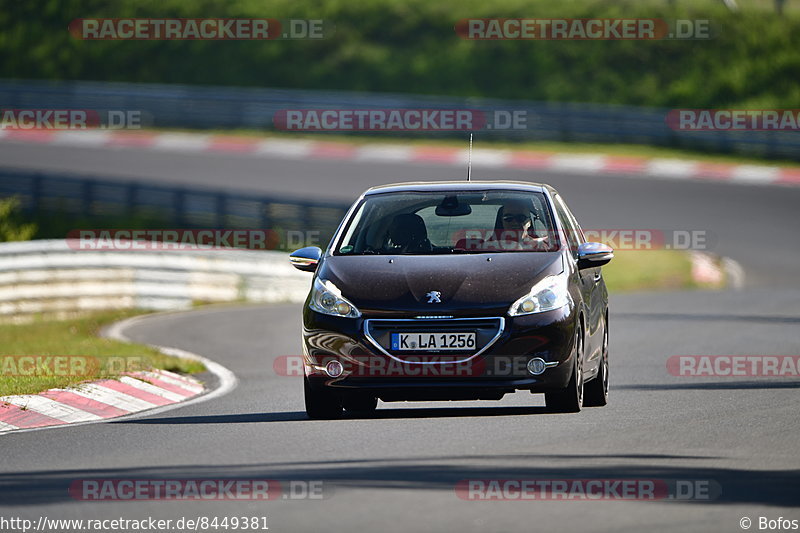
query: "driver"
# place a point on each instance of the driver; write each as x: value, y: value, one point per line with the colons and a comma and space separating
x: 514, y: 226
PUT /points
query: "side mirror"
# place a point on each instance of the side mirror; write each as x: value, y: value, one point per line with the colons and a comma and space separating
x: 594, y: 254
x: 306, y: 259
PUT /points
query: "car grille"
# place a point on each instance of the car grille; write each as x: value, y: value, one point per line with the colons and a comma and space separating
x: 487, y: 331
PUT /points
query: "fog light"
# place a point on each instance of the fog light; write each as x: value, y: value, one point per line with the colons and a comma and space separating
x: 334, y: 369
x: 536, y: 366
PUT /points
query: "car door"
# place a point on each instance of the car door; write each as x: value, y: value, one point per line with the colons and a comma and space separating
x: 589, y: 280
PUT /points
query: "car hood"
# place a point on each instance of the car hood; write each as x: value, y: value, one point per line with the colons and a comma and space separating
x: 470, y: 282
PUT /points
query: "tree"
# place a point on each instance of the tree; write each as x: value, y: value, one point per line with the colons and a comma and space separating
x: 11, y: 226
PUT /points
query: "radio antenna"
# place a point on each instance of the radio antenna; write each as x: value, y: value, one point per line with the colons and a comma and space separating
x: 469, y: 162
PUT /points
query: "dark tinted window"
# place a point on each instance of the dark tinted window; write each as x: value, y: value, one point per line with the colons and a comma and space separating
x: 450, y: 222
x: 573, y: 233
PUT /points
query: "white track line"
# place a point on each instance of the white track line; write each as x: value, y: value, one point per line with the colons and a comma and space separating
x: 188, y: 386
x: 671, y: 168
x: 227, y: 379
x: 486, y: 158
x: 51, y: 408
x: 578, y: 162
x: 188, y: 379
x: 755, y: 174
x: 182, y: 142
x: 111, y: 397
x: 151, y: 389
x: 491, y: 158
x: 81, y: 138
x: 734, y: 271
x: 280, y: 148
x: 6, y: 427
x: 384, y: 153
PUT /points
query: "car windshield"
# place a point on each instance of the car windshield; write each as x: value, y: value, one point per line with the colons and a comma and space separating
x: 448, y: 222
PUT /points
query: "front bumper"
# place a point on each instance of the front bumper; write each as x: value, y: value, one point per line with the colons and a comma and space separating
x: 496, y: 367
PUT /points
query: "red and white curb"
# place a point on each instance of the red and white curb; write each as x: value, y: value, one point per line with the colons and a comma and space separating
x: 146, y: 392
x: 97, y: 400
x: 393, y: 153
x: 708, y: 269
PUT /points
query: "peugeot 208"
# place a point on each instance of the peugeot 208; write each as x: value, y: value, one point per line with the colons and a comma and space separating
x: 455, y: 291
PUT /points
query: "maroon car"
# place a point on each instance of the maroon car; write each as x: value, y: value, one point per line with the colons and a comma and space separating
x: 455, y: 291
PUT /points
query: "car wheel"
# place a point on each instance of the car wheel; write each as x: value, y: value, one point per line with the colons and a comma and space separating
x: 596, y: 394
x: 360, y: 405
x: 570, y: 400
x: 321, y: 403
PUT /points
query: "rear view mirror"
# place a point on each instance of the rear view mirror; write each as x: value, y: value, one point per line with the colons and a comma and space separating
x: 450, y: 207
x: 594, y: 254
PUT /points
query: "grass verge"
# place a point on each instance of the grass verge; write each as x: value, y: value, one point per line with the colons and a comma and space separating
x: 95, y: 357
x: 637, y: 270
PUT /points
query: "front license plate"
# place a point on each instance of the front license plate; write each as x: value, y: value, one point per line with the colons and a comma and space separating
x: 433, y: 341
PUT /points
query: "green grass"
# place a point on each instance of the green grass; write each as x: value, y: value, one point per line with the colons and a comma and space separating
x: 76, y: 337
x: 636, y: 270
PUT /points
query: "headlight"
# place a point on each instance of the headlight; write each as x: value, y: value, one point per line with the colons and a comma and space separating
x: 326, y: 298
x: 550, y: 293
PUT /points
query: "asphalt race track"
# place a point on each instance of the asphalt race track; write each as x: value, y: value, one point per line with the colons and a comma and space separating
x: 398, y: 470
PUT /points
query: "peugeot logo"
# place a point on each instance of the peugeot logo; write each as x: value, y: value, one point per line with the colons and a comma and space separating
x: 434, y: 297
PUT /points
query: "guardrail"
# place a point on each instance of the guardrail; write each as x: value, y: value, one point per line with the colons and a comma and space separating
x: 54, y: 195
x: 50, y: 276
x: 184, y: 106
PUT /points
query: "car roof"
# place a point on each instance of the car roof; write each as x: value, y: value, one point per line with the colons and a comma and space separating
x: 462, y: 185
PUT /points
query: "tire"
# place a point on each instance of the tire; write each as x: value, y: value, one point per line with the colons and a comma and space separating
x: 596, y: 392
x: 570, y: 399
x: 320, y: 403
x: 360, y: 405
